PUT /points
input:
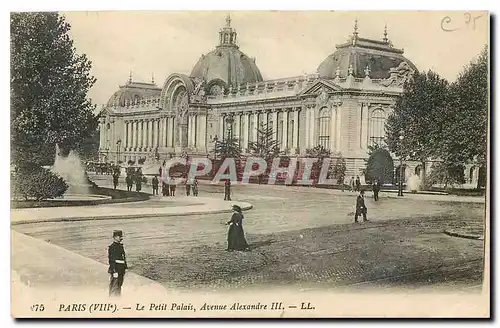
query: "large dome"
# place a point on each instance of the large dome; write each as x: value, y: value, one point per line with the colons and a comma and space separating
x: 133, y: 91
x: 226, y: 65
x: 359, y: 54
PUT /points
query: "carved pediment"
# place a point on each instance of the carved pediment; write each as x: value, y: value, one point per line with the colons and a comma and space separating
x: 319, y: 86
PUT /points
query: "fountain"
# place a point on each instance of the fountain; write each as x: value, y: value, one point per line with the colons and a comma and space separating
x: 71, y: 169
x: 413, y: 184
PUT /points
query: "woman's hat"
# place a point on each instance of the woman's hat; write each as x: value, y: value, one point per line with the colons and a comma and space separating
x: 237, y: 208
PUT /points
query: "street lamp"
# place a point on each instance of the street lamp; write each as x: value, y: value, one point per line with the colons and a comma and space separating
x: 230, y: 121
x: 118, y: 144
x: 401, y: 138
x: 215, y: 143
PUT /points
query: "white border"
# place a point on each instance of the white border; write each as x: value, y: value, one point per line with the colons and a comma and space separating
x: 31, y: 5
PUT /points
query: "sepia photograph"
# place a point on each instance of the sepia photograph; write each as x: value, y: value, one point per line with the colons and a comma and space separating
x: 250, y: 164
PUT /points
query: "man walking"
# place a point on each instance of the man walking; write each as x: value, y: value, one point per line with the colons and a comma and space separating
x: 195, y: 187
x: 376, y: 189
x: 227, y: 190
x: 360, y: 207
x: 358, y: 183
x: 115, y: 180
x: 154, y: 183
x: 117, y: 264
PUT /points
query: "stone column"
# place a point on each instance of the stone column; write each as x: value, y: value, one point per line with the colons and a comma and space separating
x: 312, y: 127
x: 151, y: 127
x: 161, y: 130
x: 132, y: 134
x: 123, y: 146
x: 275, y: 123
x: 237, y: 128
x: 139, y: 133
x: 246, y: 130
x: 296, y: 128
x: 307, y: 126
x: 172, y: 135
x: 338, y: 128
x: 284, y: 137
x: 202, y: 120
x: 256, y: 126
x: 195, y: 130
x: 333, y: 117
x: 221, y: 127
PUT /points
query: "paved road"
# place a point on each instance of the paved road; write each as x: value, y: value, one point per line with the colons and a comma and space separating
x: 167, y: 249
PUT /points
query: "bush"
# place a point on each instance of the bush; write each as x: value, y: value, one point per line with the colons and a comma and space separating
x: 38, y: 184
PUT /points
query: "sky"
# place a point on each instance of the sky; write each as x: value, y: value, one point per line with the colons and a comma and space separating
x: 285, y: 43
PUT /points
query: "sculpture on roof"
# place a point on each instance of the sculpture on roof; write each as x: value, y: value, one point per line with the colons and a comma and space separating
x: 399, y: 75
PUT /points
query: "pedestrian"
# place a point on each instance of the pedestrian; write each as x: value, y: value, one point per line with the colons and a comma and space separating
x: 360, y: 207
x: 129, y: 182
x: 154, y: 183
x: 117, y: 264
x: 195, y: 187
x: 138, y: 183
x: 236, y: 236
x: 376, y: 189
x: 165, y: 188
x: 351, y: 184
x: 227, y: 190
x: 172, y: 186
x: 188, y: 187
x: 358, y: 183
x: 115, y: 180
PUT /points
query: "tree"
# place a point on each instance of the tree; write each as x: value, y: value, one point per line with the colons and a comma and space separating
x: 37, y: 183
x: 414, y: 117
x: 320, y: 153
x: 339, y: 169
x: 49, y: 85
x: 446, y: 173
x: 379, y: 165
x: 464, y: 122
x: 267, y: 146
x: 227, y: 148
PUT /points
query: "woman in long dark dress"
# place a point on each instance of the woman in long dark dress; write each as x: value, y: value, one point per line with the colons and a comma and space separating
x: 236, y: 236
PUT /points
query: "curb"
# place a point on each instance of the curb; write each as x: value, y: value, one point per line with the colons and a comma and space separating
x: 463, y: 235
x: 127, y: 216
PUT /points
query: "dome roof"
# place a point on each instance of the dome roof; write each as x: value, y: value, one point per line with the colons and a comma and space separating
x: 133, y: 91
x: 226, y: 63
x: 378, y: 56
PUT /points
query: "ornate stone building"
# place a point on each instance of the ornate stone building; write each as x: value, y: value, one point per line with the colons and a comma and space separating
x: 342, y: 107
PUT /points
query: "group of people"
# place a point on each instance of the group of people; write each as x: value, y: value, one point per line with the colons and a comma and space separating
x: 134, y: 177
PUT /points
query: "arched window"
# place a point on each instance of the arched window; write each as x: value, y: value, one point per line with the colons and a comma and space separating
x: 324, y: 128
x: 377, y: 130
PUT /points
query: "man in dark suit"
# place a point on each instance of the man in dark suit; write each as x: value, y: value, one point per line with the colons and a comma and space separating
x: 376, y: 189
x: 227, y: 190
x: 360, y: 207
x: 117, y: 264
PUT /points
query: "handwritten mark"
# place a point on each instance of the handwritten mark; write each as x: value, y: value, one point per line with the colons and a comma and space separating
x: 468, y: 19
x: 292, y: 307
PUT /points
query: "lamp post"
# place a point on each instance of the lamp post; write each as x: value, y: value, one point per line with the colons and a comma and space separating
x: 230, y: 121
x: 401, y: 138
x: 215, y: 147
x: 118, y: 144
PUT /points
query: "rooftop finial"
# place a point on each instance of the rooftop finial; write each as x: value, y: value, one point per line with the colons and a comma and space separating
x: 228, y: 20
x: 385, y: 34
x: 152, y: 77
x: 355, y: 33
x: 130, y: 77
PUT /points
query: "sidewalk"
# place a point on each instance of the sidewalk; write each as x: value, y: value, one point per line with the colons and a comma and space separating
x: 56, y: 273
x: 306, y: 189
x: 174, y: 206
